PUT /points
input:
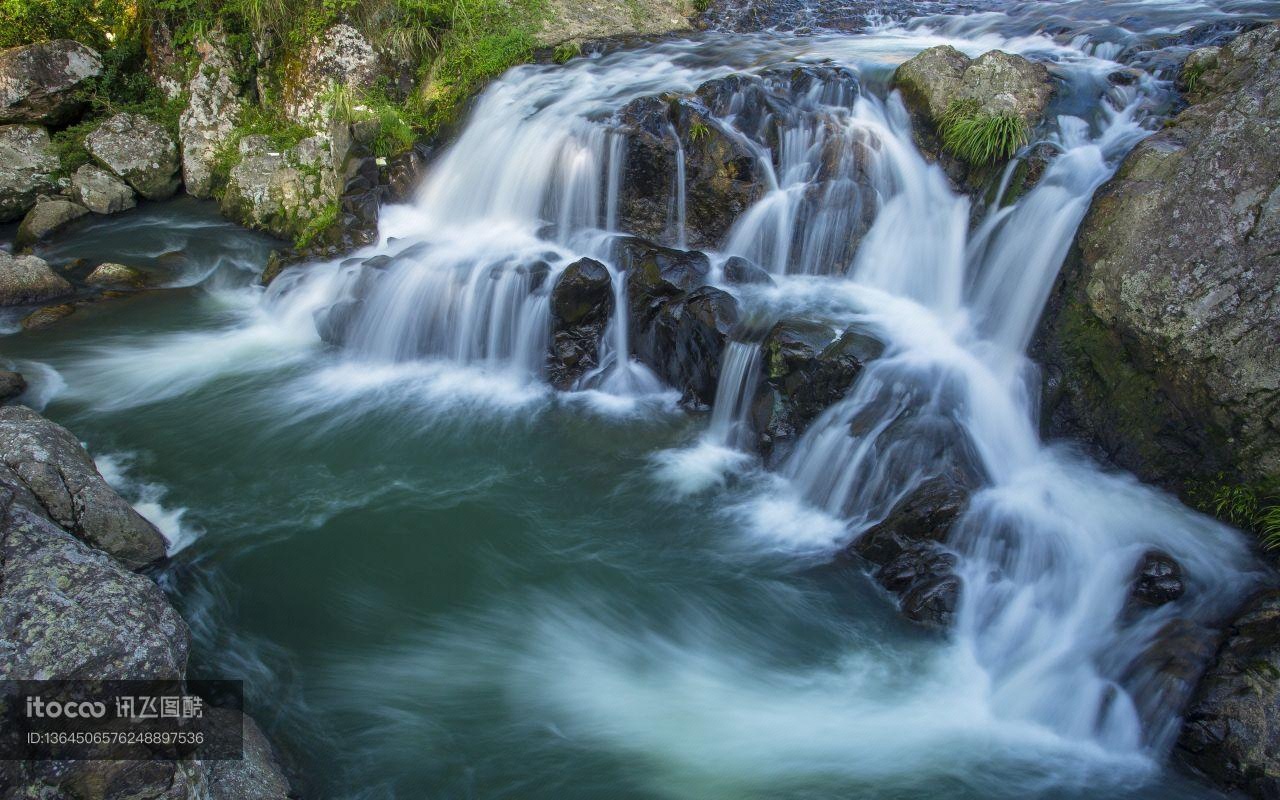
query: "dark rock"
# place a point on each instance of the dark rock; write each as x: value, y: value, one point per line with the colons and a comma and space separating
x: 582, y: 303
x: 404, y: 173
x: 932, y: 601
x: 1232, y: 728
x: 12, y: 385
x: 1161, y: 342
x: 1163, y: 678
x: 48, y: 462
x: 654, y: 272
x: 1157, y: 580
x: 42, y: 83
x: 806, y: 369
x: 739, y: 271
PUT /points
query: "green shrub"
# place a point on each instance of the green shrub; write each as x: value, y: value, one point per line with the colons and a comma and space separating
x: 1254, y: 508
x: 979, y: 138
x: 93, y: 22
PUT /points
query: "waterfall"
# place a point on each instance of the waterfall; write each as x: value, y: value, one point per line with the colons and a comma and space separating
x: 739, y: 375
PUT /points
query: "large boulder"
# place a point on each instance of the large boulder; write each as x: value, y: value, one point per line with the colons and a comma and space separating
x: 47, y: 218
x: 582, y: 303
x: 807, y: 367
x: 27, y: 168
x: 42, y: 83
x: 100, y: 191
x: 679, y: 327
x: 47, y: 461
x: 1232, y: 727
x: 1161, y: 342
x: 998, y: 82
x: 27, y: 279
x: 211, y: 114
x: 138, y: 150
x: 116, y: 276
x: 280, y: 192
x: 582, y: 20
x: 340, y: 56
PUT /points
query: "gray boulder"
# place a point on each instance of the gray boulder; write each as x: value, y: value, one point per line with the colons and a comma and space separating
x: 138, y: 150
x: 47, y: 461
x: 47, y: 218
x: 41, y: 83
x: 999, y: 83
x: 211, y: 115
x: 27, y: 167
x: 280, y: 192
x: 27, y: 279
x: 340, y: 56
x: 1161, y: 345
x: 1232, y: 728
x: 100, y: 191
x: 116, y: 276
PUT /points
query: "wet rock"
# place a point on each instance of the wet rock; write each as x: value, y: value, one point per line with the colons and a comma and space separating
x: 930, y: 81
x: 41, y: 83
x: 27, y: 279
x: 44, y: 317
x: 27, y: 168
x: 255, y: 777
x: 1232, y: 728
x: 211, y: 114
x: 138, y: 150
x: 932, y: 601
x: 116, y: 276
x: 1157, y: 580
x: 282, y: 193
x: 739, y: 271
x: 1163, y: 678
x: 12, y: 385
x: 50, y: 464
x: 100, y: 191
x: 720, y: 180
x: 340, y: 55
x: 47, y: 218
x: 405, y: 172
x: 582, y: 303
x: 807, y: 367
x: 1161, y: 343
x: 999, y: 83
x: 655, y: 272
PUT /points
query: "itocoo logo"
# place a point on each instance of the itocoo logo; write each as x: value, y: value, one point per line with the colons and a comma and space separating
x: 39, y: 708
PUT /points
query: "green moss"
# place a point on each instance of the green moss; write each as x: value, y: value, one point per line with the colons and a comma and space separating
x: 318, y: 225
x: 979, y: 138
x: 566, y: 52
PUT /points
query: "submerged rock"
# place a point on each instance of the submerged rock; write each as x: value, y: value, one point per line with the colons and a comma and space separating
x: 1161, y: 344
x: 12, y: 385
x: 28, y: 279
x: 138, y: 150
x: 100, y: 191
x: 47, y: 218
x: 44, y: 317
x: 807, y: 367
x: 46, y: 460
x: 739, y: 271
x: 1232, y: 728
x: 27, y: 168
x: 582, y: 303
x: 116, y: 276
x: 41, y: 83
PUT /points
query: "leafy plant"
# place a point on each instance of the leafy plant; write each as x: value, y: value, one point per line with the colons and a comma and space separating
x: 566, y: 52
x: 1252, y: 507
x: 698, y: 131
x: 980, y: 138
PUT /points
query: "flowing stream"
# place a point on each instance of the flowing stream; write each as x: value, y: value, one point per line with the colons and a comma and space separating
x: 440, y: 578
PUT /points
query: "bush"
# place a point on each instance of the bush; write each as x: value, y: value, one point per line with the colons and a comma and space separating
x: 978, y: 138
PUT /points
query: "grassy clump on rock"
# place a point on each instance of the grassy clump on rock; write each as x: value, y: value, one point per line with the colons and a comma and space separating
x: 980, y: 138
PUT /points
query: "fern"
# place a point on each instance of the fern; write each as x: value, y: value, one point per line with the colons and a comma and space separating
x: 979, y: 138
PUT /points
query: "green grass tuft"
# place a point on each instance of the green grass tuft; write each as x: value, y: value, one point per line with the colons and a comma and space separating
x: 979, y: 138
x: 1254, y: 508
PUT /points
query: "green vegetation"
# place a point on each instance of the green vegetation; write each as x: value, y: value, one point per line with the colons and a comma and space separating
x: 979, y: 138
x: 1254, y: 508
x: 698, y: 131
x: 566, y: 52
x: 318, y: 225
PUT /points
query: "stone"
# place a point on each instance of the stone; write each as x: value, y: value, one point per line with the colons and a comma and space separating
x: 116, y: 276
x: 280, y: 192
x: 46, y: 460
x: 138, y: 150
x: 100, y: 191
x: 44, y: 317
x: 12, y: 385
x: 255, y: 777
x: 47, y: 218
x: 582, y: 303
x: 582, y: 20
x: 25, y: 280
x: 212, y: 112
x: 27, y: 168
x: 341, y: 56
x: 1231, y: 732
x: 1160, y: 345
x: 1157, y: 579
x: 998, y: 82
x: 739, y: 271
x: 42, y: 83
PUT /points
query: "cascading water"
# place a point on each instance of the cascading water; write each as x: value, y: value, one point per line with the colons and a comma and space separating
x: 544, y: 612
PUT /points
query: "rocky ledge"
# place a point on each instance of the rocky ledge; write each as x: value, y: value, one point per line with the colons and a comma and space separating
x: 71, y: 607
